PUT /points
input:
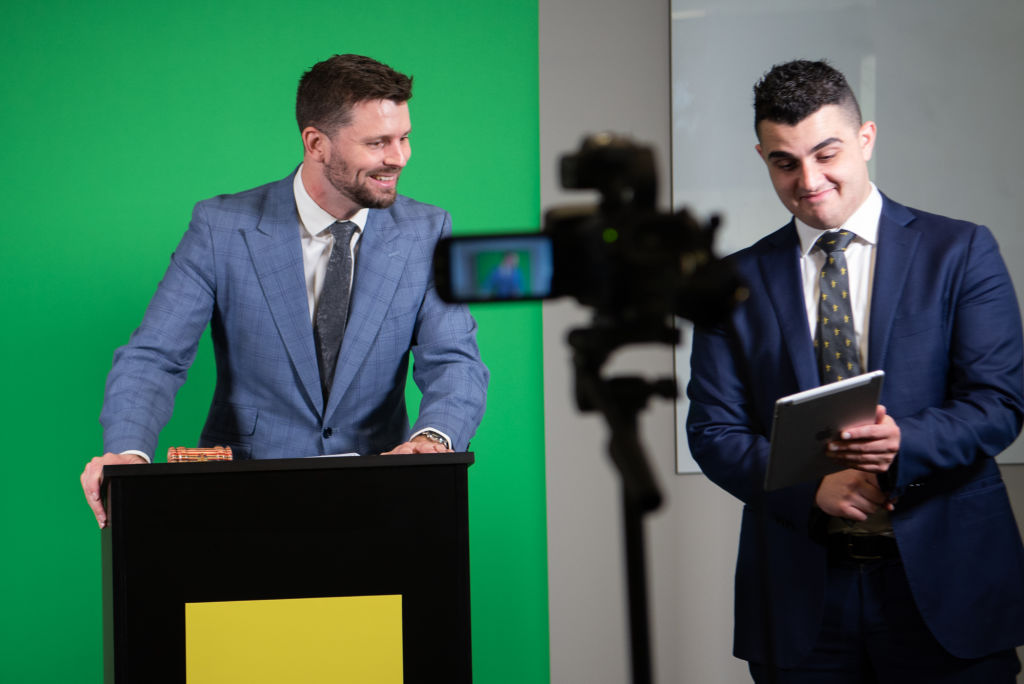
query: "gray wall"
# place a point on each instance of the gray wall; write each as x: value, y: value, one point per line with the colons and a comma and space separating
x: 604, y: 65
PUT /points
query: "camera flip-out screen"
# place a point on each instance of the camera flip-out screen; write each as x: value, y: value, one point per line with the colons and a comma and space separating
x: 486, y: 268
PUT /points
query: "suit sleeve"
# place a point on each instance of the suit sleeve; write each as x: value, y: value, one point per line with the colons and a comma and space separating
x: 728, y: 432
x: 447, y: 367
x: 983, y: 385
x: 148, y: 371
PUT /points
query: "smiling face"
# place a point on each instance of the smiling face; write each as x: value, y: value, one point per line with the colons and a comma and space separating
x: 819, y: 166
x: 359, y: 164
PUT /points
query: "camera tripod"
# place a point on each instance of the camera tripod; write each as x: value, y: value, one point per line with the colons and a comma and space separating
x: 620, y: 400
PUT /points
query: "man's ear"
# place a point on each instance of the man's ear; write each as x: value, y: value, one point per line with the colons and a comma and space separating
x: 315, y: 144
x: 866, y: 138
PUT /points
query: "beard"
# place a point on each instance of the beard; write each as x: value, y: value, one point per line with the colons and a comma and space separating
x: 338, y: 175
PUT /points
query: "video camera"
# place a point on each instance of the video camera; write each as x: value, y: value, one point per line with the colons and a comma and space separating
x: 637, y: 268
x: 622, y: 257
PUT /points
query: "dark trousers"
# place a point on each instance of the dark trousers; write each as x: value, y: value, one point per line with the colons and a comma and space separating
x: 872, y: 633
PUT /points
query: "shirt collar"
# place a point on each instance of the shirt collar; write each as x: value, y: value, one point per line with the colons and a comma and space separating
x: 863, y: 222
x: 312, y: 217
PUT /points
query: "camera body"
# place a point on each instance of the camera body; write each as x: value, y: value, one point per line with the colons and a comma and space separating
x: 620, y: 256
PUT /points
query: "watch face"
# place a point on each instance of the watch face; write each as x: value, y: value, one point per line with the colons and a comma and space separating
x: 437, y: 437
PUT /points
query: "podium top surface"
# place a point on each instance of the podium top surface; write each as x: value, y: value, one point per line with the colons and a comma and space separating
x: 290, y: 464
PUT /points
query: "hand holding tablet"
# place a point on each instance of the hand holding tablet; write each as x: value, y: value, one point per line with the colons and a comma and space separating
x: 807, y: 421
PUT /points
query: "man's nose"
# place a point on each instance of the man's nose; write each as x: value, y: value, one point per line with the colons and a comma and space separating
x: 810, y: 176
x: 397, y: 154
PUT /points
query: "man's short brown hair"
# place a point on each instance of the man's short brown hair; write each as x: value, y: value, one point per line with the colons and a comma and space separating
x: 331, y: 88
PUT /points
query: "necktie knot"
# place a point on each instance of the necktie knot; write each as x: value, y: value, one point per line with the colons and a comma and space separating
x: 342, y: 232
x: 836, y: 241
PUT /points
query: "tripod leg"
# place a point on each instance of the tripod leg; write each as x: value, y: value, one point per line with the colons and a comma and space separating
x: 636, y: 578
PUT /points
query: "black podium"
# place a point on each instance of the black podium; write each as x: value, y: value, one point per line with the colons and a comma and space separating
x: 247, y: 531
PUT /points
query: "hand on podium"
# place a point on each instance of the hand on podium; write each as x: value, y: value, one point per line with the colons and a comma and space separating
x: 420, y: 444
x: 92, y: 478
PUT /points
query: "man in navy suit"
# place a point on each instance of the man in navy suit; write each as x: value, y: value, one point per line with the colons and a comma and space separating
x: 253, y: 266
x: 907, y: 565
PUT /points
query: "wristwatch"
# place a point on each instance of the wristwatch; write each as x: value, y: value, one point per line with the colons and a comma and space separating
x: 435, y: 436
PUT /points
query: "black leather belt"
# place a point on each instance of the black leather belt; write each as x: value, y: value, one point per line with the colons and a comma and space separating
x: 858, y: 547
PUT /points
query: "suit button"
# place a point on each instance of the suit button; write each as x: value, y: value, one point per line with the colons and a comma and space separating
x: 328, y: 432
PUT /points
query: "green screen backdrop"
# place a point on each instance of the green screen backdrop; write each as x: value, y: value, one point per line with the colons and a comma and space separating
x: 117, y: 117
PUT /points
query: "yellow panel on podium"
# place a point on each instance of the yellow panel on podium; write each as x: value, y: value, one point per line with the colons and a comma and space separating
x: 313, y: 640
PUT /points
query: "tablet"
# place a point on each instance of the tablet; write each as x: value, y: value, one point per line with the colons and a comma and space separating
x: 805, y: 422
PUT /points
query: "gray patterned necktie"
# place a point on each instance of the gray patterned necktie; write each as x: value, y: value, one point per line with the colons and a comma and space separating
x: 836, y: 341
x: 332, y: 307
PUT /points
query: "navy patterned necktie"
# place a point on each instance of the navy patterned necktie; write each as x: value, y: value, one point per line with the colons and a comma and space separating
x: 836, y: 341
x: 332, y: 307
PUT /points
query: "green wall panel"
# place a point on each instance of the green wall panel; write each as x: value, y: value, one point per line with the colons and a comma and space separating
x: 117, y: 117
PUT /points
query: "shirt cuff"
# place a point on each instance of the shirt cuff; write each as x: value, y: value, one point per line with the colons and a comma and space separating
x: 143, y: 454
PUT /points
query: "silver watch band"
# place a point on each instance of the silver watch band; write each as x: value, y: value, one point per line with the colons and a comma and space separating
x: 435, y: 436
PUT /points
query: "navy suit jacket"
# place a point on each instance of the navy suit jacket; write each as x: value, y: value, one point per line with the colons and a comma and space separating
x: 239, y: 269
x: 946, y: 329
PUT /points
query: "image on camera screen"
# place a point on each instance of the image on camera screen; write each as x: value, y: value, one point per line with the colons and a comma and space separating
x: 500, y: 267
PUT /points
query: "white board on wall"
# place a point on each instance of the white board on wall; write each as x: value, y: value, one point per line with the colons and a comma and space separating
x: 941, y: 78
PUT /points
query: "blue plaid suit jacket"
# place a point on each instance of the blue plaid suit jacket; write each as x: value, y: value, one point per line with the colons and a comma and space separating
x: 239, y: 269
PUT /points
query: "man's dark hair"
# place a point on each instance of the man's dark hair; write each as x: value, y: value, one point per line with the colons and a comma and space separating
x: 331, y: 88
x: 791, y: 92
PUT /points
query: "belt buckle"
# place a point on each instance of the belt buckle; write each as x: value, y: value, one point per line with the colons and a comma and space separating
x: 854, y: 555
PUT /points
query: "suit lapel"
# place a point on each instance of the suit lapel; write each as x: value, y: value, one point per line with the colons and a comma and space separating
x: 780, y: 273
x: 277, y: 259
x: 895, y: 253
x: 379, y: 265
